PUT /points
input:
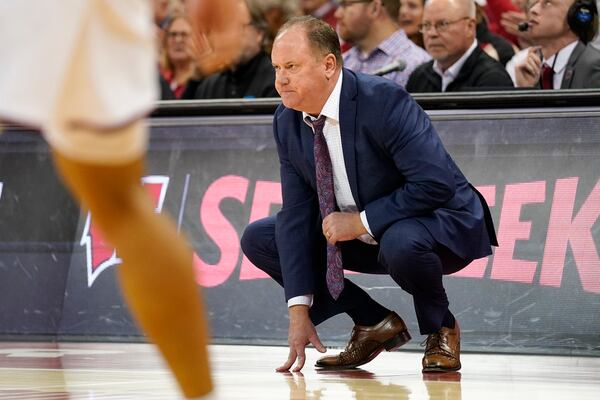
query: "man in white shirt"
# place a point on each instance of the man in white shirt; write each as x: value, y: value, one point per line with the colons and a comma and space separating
x: 458, y: 64
x: 367, y: 186
x: 561, y: 59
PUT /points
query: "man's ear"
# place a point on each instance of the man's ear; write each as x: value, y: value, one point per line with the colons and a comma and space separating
x: 330, y: 64
x: 375, y: 7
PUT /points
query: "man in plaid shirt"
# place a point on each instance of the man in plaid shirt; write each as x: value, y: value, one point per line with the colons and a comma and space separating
x: 371, y: 25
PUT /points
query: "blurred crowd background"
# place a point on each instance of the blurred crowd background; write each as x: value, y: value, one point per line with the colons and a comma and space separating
x: 422, y: 45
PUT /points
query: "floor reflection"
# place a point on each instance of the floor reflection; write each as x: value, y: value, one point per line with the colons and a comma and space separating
x: 362, y: 384
x: 443, y: 386
x: 359, y: 384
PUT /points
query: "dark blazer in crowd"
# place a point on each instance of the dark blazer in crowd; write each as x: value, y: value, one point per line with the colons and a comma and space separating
x: 254, y: 79
x: 583, y: 68
x: 188, y: 94
x: 165, y: 91
x: 502, y: 46
x: 479, y: 72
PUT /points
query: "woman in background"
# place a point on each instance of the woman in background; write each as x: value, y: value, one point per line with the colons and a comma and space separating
x: 410, y: 16
x: 177, y: 63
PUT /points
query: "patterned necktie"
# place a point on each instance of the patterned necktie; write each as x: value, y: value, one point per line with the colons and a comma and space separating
x: 547, y: 77
x: 325, y: 192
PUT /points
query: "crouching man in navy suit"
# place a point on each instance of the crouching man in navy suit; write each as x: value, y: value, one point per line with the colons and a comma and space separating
x: 368, y: 186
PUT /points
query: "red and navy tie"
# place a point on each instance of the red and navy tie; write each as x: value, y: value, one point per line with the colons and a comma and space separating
x: 325, y: 192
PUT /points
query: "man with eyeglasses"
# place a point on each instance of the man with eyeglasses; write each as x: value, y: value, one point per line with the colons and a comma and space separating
x: 458, y: 63
x: 561, y: 58
x: 379, y: 42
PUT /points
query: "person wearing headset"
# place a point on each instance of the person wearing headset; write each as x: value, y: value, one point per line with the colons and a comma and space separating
x: 561, y: 59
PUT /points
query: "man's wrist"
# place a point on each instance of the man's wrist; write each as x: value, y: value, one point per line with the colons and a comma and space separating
x: 298, y: 312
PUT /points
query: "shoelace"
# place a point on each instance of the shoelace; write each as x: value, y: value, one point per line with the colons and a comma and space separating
x: 437, y: 343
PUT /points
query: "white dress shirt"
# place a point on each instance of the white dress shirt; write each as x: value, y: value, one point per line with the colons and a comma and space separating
x: 450, y: 74
x: 341, y: 184
x: 558, y: 63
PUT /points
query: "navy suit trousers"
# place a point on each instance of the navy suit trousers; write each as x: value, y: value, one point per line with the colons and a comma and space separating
x: 407, y: 252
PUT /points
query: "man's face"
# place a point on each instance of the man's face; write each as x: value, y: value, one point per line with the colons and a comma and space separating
x: 411, y: 14
x: 251, y: 39
x: 299, y: 72
x: 353, y: 22
x: 178, y: 40
x: 548, y: 19
x: 449, y: 32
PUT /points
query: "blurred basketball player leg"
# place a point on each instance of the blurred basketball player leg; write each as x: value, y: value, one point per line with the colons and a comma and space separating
x: 156, y: 277
x: 102, y: 77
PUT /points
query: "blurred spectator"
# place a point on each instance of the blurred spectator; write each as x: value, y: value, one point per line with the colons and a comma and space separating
x: 596, y: 40
x: 410, y: 16
x: 458, y: 63
x: 252, y: 74
x: 275, y: 13
x: 372, y: 26
x: 177, y: 65
x: 494, y: 45
x: 161, y: 12
x: 561, y: 29
x: 322, y: 9
x: 510, y: 21
x: 495, y: 10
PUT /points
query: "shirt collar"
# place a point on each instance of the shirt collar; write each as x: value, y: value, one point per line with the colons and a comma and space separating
x: 455, y: 68
x: 561, y: 57
x: 331, y: 109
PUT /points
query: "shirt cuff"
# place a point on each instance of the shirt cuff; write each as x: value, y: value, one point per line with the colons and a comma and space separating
x: 306, y: 300
x: 363, y: 219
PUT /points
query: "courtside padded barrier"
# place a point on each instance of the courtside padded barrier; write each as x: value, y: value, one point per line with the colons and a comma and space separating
x: 215, y: 171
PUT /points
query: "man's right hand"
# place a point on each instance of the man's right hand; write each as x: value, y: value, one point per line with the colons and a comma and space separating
x: 300, y: 333
x: 527, y: 73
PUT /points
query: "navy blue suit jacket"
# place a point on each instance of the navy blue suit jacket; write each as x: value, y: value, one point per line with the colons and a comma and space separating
x: 397, y: 168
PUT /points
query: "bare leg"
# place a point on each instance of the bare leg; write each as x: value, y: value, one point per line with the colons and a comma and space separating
x: 156, y: 276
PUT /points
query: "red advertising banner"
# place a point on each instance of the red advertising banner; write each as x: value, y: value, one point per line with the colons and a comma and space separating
x: 539, y: 172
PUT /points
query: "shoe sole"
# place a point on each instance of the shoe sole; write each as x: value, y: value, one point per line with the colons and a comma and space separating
x: 391, y: 344
x: 440, y: 369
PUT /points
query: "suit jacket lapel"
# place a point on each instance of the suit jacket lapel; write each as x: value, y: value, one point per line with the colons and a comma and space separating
x: 348, y: 130
x: 570, y: 68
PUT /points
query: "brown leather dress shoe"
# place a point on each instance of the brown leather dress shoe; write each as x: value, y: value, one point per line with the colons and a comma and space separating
x: 442, y: 350
x: 367, y: 342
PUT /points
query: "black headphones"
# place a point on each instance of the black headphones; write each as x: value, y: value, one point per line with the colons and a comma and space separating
x: 583, y: 19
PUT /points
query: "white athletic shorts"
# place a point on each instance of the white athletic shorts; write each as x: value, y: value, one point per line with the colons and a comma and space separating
x: 79, y: 70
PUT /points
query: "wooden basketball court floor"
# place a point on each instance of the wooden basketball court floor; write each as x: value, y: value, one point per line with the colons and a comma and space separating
x: 135, y: 371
